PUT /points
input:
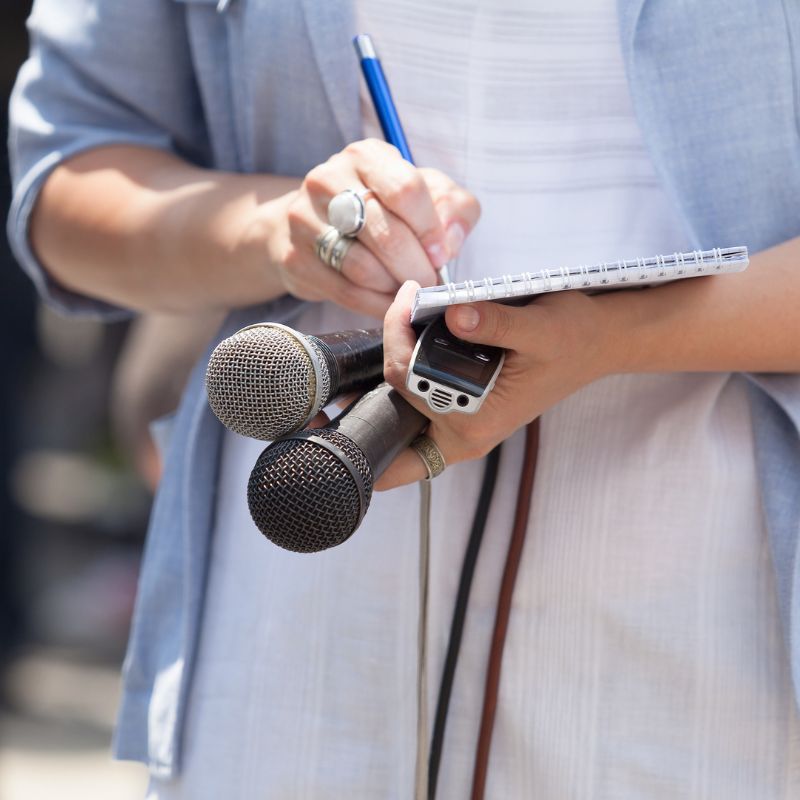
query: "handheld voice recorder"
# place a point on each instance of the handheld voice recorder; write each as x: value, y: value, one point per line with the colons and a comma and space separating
x: 451, y: 374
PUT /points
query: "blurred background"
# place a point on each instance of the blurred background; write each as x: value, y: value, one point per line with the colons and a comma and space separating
x: 77, y: 471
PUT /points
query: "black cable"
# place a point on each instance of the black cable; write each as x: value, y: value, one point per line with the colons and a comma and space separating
x: 459, y: 615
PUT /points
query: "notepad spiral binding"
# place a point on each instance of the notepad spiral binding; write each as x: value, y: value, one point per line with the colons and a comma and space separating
x: 432, y: 301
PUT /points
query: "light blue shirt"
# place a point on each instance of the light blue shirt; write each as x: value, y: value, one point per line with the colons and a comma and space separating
x: 272, y: 87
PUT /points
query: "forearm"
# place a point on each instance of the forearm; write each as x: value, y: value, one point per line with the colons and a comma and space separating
x: 144, y: 229
x: 564, y: 340
x: 748, y: 322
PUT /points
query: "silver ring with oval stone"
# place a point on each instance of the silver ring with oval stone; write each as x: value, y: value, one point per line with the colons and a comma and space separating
x: 347, y: 211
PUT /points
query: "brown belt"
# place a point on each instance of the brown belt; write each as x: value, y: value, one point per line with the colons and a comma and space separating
x: 504, y: 608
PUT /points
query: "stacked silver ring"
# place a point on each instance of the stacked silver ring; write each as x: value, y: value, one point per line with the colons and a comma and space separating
x: 332, y: 247
x: 347, y: 214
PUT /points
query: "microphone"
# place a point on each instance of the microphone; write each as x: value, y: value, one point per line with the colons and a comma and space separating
x: 269, y: 380
x: 310, y: 491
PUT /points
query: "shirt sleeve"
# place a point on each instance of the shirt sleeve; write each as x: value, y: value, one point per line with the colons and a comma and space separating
x: 100, y: 72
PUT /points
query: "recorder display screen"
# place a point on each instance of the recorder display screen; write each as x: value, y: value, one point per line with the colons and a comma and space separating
x: 464, y: 366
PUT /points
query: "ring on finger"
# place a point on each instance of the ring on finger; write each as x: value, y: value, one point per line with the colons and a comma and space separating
x: 347, y: 211
x: 331, y: 248
x: 324, y: 243
x: 430, y: 454
x: 339, y: 251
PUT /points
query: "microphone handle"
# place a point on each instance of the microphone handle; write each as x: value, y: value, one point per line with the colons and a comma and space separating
x: 355, y: 359
x: 382, y: 423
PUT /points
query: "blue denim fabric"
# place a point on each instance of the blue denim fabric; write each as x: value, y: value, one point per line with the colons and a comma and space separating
x: 273, y: 87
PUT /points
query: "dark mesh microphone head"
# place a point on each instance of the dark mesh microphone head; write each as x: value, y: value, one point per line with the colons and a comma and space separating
x: 262, y: 382
x: 306, y: 498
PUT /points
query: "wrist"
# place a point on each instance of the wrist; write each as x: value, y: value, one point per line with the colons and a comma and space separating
x: 257, y: 236
x: 672, y: 326
x: 211, y: 228
x: 624, y: 331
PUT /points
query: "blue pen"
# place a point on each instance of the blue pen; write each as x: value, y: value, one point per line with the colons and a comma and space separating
x: 381, y: 96
x: 384, y: 106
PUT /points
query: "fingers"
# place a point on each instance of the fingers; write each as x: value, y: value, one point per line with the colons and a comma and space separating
x: 306, y: 271
x: 332, y: 410
x: 361, y: 267
x: 458, y: 209
x: 363, y: 285
x: 399, y: 340
x: 319, y: 421
x: 399, y: 337
x: 306, y: 277
x: 418, y: 217
x: 415, y: 221
x: 459, y: 437
x: 509, y: 327
x: 359, y: 300
x: 403, y: 191
x: 396, y: 246
x: 406, y: 468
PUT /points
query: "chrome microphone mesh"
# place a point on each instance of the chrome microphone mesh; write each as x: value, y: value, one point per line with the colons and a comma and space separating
x: 303, y: 497
x: 262, y: 382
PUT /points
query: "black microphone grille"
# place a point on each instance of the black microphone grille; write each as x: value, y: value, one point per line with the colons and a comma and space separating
x: 262, y: 382
x: 310, y: 492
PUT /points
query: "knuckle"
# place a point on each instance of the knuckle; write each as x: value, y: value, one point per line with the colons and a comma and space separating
x: 366, y: 148
x: 468, y: 204
x: 500, y: 327
x: 394, y: 371
x: 406, y: 190
x: 337, y: 159
x: 380, y: 148
x: 503, y: 326
x: 474, y: 205
x: 296, y: 216
x: 355, y: 149
x: 317, y: 179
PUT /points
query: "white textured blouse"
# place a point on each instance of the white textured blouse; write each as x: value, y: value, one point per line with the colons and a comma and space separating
x: 644, y: 657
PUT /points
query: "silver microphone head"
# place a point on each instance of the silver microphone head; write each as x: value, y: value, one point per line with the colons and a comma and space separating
x: 266, y: 381
x: 310, y: 493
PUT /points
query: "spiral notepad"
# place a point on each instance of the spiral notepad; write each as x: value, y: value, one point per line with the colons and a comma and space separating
x: 432, y: 301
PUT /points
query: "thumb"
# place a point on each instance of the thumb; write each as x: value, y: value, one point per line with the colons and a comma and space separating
x: 488, y: 323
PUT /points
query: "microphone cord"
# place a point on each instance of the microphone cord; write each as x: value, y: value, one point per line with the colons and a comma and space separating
x: 459, y: 615
x: 422, y: 764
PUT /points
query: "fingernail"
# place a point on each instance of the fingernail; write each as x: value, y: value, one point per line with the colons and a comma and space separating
x: 437, y: 255
x: 467, y: 318
x: 454, y: 237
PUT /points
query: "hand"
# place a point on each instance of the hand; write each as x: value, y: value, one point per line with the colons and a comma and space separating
x: 416, y: 221
x: 555, y: 345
